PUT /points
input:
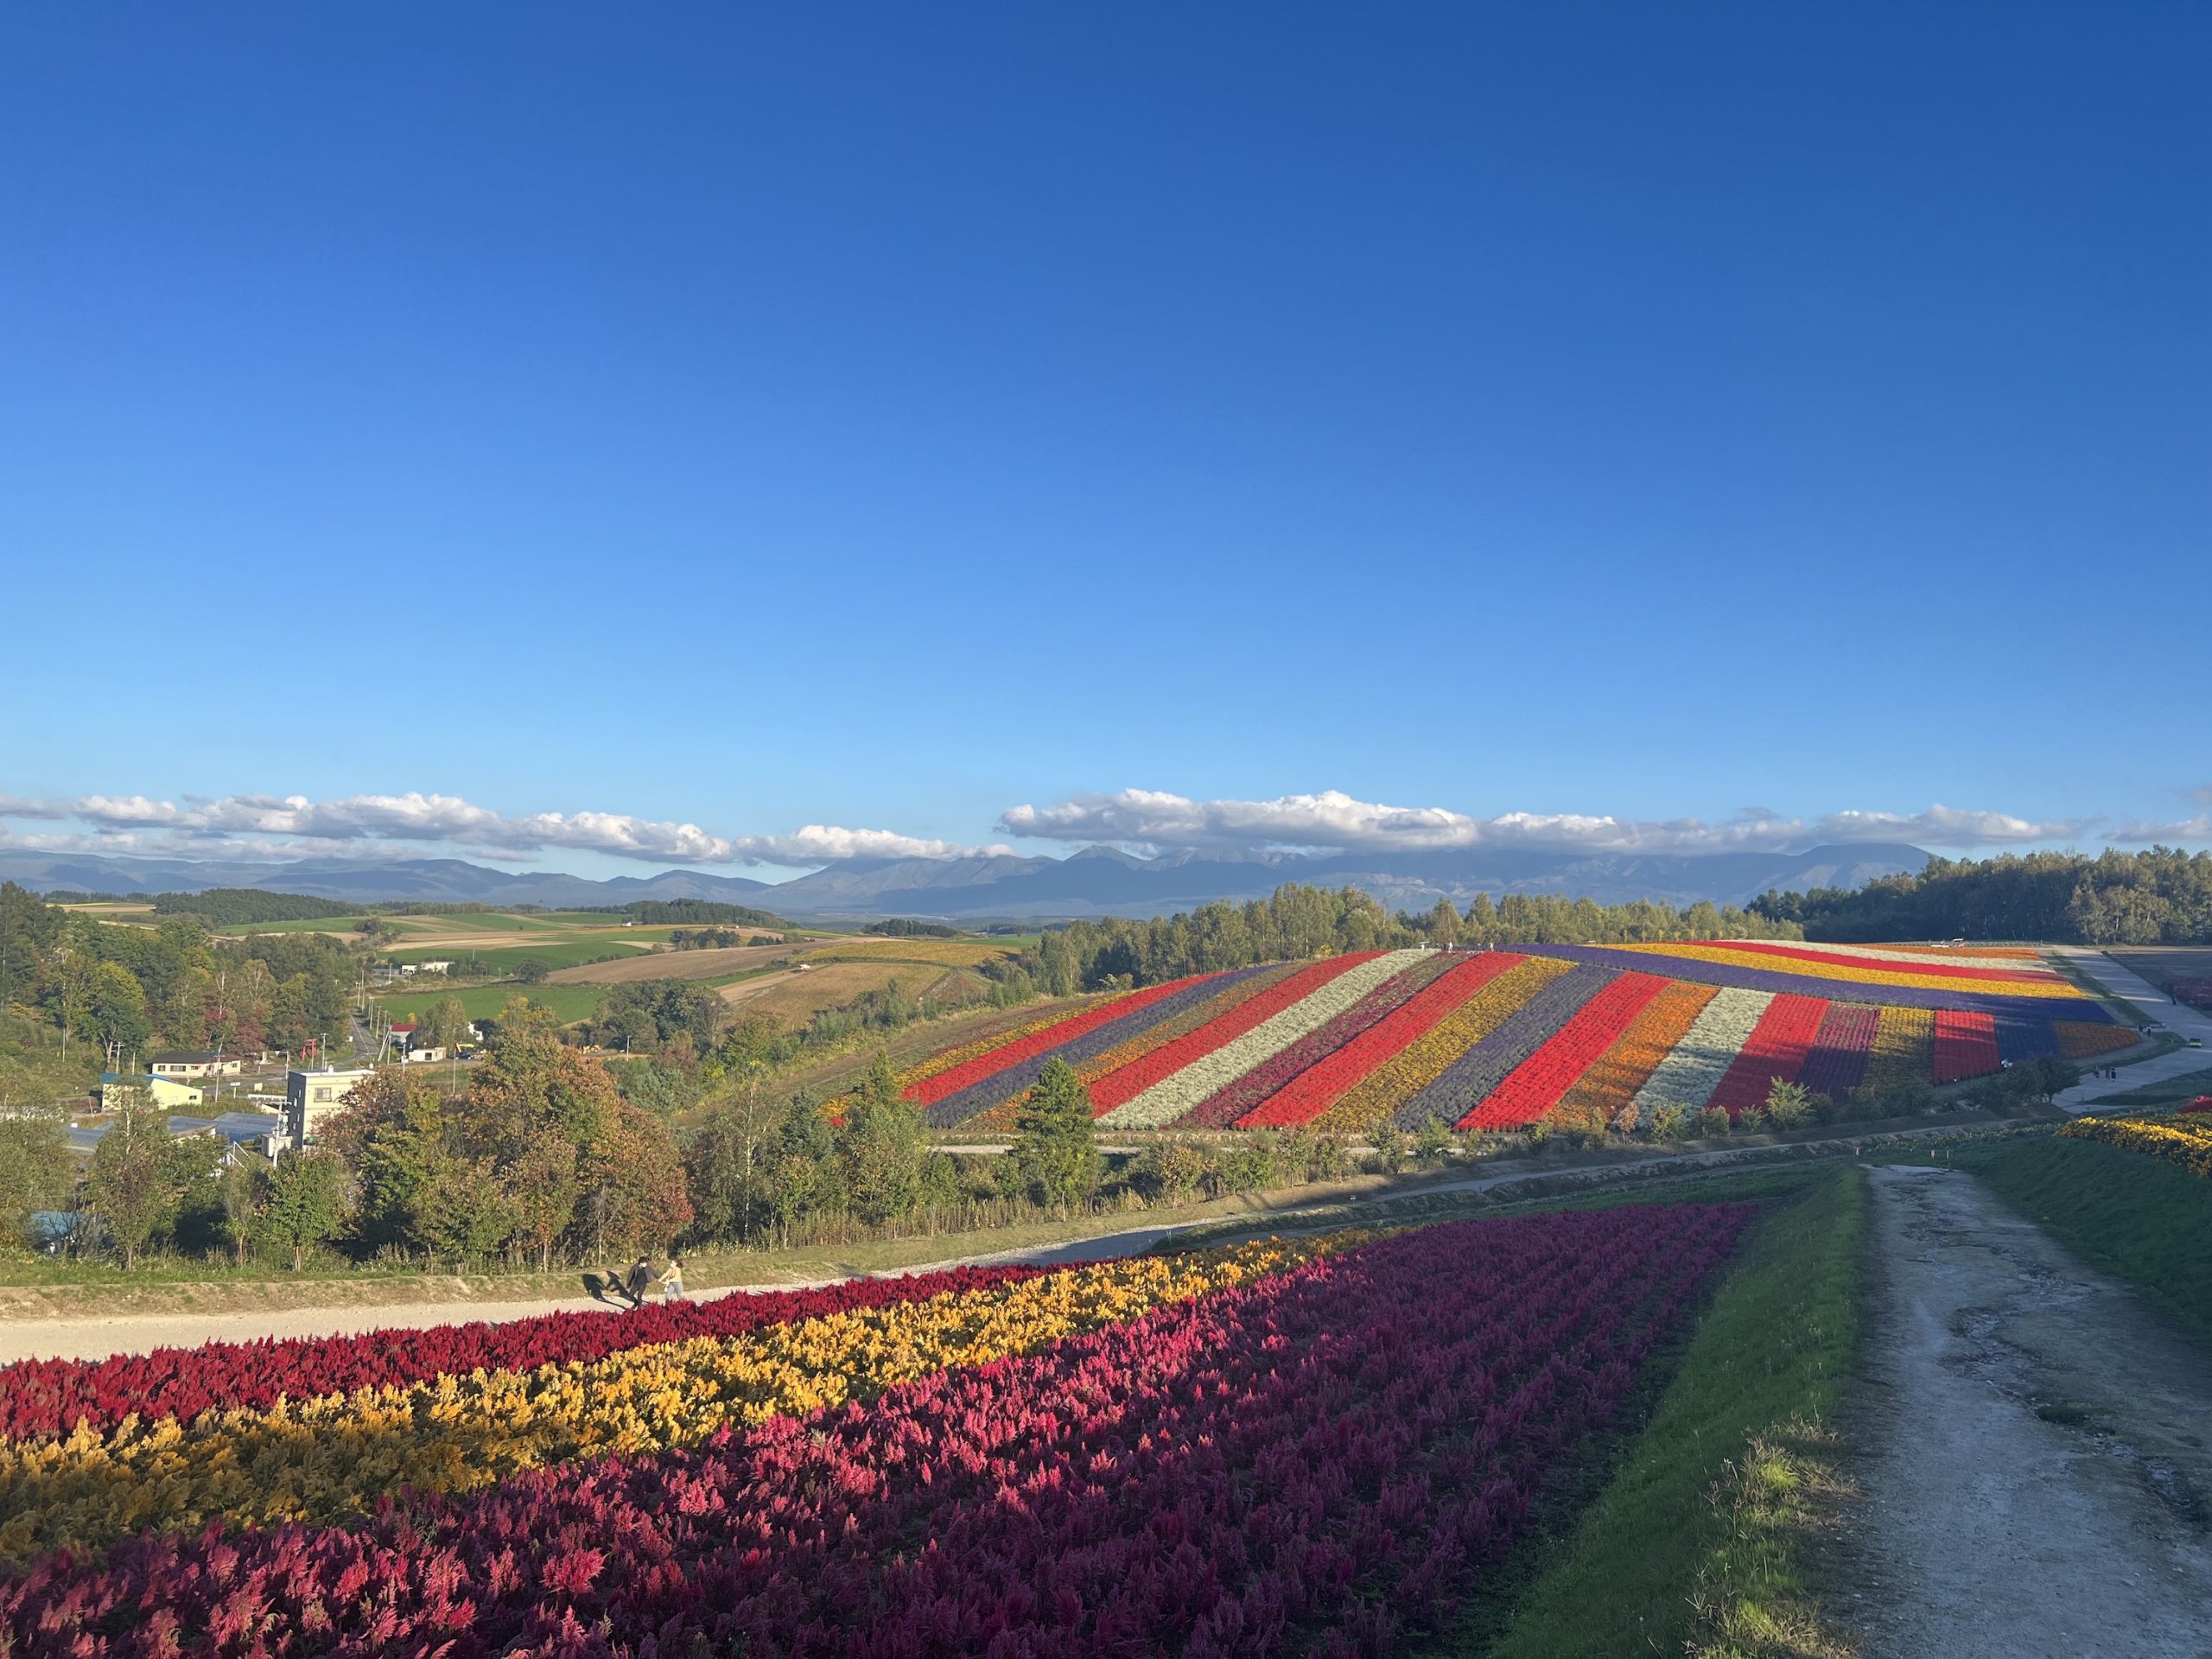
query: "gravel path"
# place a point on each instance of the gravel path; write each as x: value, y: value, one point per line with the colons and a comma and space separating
x: 2151, y: 1004
x: 2032, y: 1445
x: 95, y: 1337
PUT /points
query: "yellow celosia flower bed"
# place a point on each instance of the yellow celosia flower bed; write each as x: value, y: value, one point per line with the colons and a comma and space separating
x: 2183, y: 1141
x: 334, y: 1456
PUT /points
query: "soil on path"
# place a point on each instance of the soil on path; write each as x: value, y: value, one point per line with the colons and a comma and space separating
x: 2030, y: 1443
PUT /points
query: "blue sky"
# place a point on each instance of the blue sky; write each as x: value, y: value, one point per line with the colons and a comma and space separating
x: 889, y: 417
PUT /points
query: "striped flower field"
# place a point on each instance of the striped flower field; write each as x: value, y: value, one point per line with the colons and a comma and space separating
x: 1502, y: 1038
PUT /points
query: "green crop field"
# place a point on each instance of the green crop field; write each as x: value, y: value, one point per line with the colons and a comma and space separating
x: 505, y: 959
x: 333, y: 924
x: 569, y: 1002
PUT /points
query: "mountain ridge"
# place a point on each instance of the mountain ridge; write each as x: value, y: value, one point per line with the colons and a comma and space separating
x: 1093, y: 881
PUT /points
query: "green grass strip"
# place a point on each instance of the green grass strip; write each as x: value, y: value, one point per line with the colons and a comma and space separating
x: 1703, y: 1542
x: 2137, y: 1217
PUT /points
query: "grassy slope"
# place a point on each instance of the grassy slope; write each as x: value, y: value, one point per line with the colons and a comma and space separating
x: 2166, y: 1092
x: 2137, y: 1217
x: 1702, y: 1541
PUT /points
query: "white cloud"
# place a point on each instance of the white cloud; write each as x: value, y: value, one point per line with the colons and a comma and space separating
x: 295, y: 826
x: 2174, y: 832
x: 1333, y: 821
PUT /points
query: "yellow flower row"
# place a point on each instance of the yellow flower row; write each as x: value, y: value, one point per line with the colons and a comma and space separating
x: 1377, y: 1095
x: 329, y: 1457
x: 945, y: 1059
x: 2183, y: 1141
x: 1003, y: 1118
x: 1903, y: 1050
x: 1765, y: 962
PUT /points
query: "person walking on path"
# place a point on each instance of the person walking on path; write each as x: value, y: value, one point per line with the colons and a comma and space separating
x: 641, y: 1280
x: 671, y: 1283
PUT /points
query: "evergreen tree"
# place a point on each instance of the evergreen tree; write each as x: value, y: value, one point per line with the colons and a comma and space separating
x: 1055, y: 1154
x: 883, y: 1148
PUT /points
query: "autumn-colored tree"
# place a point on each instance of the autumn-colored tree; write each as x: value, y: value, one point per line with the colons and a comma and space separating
x: 531, y: 1081
x: 635, y: 1197
x: 543, y: 1184
x: 394, y: 1135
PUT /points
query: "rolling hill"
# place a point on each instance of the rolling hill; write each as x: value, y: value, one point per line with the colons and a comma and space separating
x: 1599, y: 1036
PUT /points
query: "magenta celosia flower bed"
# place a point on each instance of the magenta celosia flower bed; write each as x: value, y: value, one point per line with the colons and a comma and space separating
x: 1316, y: 1461
x: 46, y: 1396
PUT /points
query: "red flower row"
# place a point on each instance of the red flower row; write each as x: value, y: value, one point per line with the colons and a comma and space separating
x: 1778, y: 1047
x: 1322, y: 1086
x: 1117, y: 1088
x: 51, y: 1397
x: 933, y: 1089
x: 1318, y: 1461
x: 1535, y: 1086
x: 1966, y: 1045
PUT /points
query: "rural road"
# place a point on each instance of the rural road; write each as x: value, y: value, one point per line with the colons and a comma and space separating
x: 2151, y: 1004
x: 97, y: 1336
x: 2031, y: 1445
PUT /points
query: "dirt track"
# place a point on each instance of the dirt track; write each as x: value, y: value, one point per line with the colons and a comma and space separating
x: 2032, y: 1445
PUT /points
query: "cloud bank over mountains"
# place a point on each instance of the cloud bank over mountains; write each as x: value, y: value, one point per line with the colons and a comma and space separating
x: 293, y: 825
x: 1335, y: 821
x: 1151, y: 821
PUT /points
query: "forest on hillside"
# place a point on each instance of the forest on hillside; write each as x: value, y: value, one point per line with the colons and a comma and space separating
x: 2160, y: 896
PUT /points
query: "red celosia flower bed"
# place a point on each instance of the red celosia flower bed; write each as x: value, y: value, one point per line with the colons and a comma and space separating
x: 1317, y: 1462
x: 1536, y: 1085
x: 1778, y: 1047
x: 1133, y: 1079
x: 47, y: 1396
x: 1966, y: 1045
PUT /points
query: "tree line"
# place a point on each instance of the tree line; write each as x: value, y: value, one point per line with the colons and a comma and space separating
x: 686, y: 912
x: 1298, y: 921
x: 2160, y: 896
x: 75, y: 992
x: 244, y: 906
x: 541, y: 1157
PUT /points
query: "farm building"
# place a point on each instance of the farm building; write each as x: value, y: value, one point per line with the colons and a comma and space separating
x: 166, y: 1092
x: 194, y: 1063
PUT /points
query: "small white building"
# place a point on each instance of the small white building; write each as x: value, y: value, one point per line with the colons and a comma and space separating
x: 194, y: 1063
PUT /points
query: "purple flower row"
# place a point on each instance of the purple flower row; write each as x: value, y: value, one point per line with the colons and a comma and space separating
x: 1466, y: 1082
x: 1838, y: 1059
x: 1002, y: 1086
x: 1763, y: 979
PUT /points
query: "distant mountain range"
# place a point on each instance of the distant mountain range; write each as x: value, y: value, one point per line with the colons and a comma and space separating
x: 1096, y: 882
x: 364, y: 881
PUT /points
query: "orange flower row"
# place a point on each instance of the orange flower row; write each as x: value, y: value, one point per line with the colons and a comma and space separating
x: 1607, y: 1092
